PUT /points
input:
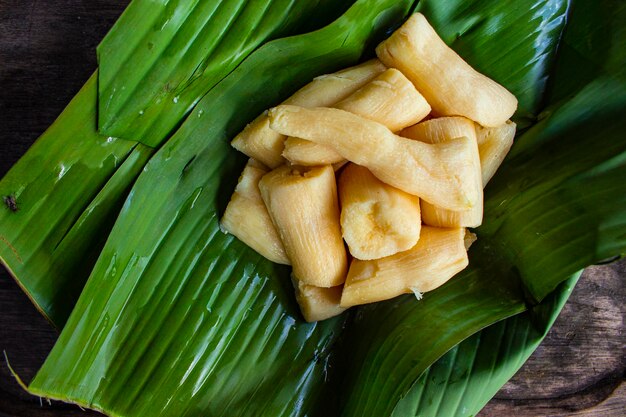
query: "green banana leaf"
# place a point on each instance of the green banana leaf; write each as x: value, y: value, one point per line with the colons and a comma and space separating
x: 71, y: 184
x: 512, y: 42
x: 161, y: 57
x: 557, y: 204
x: 172, y: 301
x: 593, y: 46
x: 68, y: 188
x: 462, y: 381
x: 180, y: 320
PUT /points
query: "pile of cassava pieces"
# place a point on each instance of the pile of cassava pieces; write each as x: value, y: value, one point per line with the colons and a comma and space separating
x: 365, y: 125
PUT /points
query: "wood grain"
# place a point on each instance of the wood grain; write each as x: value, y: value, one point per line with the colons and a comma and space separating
x: 47, y: 51
x: 580, y: 367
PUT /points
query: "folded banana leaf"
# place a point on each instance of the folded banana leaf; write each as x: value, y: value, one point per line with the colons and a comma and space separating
x: 526, y: 244
x: 462, y: 381
x: 557, y: 204
x: 179, y: 319
x: 70, y: 185
x: 67, y: 189
x: 162, y: 56
x: 513, y: 42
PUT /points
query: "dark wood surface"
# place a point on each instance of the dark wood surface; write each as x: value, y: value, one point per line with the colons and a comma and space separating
x: 47, y: 51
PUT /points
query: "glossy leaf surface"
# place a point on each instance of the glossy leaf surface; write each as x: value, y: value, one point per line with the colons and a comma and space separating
x: 462, y: 381
x: 69, y: 188
x: 72, y: 183
x: 177, y: 319
x: 162, y: 56
x: 514, y: 43
x: 556, y: 205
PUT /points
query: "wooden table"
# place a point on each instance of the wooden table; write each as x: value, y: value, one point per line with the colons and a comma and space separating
x: 47, y: 53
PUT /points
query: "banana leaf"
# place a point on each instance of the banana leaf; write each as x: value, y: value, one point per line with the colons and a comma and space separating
x: 558, y: 204
x: 181, y: 314
x: 162, y: 56
x: 178, y: 319
x: 512, y: 42
x: 565, y: 172
x: 68, y: 189
x: 172, y: 301
x: 70, y: 186
x: 462, y: 381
